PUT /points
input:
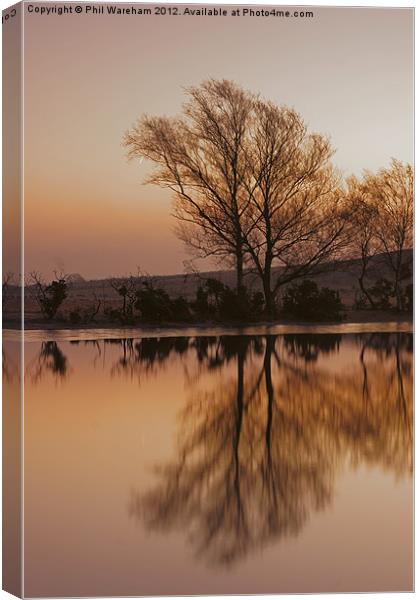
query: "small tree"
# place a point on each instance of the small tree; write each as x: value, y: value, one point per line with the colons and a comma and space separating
x: 382, y: 292
x: 50, y: 296
x: 126, y: 288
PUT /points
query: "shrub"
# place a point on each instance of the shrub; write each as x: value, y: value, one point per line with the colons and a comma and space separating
x: 180, y: 309
x: 119, y: 315
x: 360, y: 301
x: 408, y: 297
x: 217, y: 300
x: 240, y: 305
x: 75, y: 316
x: 201, y: 304
x: 154, y: 304
x: 306, y: 301
x: 209, y: 298
x: 234, y: 305
x: 382, y: 293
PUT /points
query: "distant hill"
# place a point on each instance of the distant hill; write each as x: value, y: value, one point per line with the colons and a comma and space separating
x: 75, y: 278
x: 339, y: 275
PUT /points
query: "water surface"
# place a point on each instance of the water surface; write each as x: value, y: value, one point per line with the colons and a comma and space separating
x: 218, y: 464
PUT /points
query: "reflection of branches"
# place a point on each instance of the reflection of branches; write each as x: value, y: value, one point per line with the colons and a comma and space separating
x: 396, y: 348
x: 384, y: 344
x: 258, y: 452
x: 149, y: 356
x: 50, y: 359
x: 10, y: 367
x: 146, y: 357
x: 309, y: 346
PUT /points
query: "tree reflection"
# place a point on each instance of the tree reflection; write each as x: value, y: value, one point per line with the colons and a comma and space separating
x: 268, y: 423
x: 10, y: 366
x: 258, y: 452
x: 310, y: 346
x: 245, y: 472
x: 150, y: 356
x: 50, y: 359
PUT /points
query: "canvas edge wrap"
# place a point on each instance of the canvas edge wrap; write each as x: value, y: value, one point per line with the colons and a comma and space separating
x: 12, y: 25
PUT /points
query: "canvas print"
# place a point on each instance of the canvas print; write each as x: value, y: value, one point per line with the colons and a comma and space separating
x: 207, y: 299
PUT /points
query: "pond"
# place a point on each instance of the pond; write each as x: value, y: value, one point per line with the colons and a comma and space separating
x: 218, y: 464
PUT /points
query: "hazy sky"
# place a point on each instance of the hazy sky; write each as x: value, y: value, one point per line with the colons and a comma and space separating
x: 348, y: 71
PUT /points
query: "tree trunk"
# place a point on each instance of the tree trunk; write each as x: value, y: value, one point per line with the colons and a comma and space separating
x: 361, y: 281
x: 399, y: 295
x: 239, y: 417
x: 239, y: 271
x: 270, y: 342
x: 268, y: 292
x: 398, y: 291
x: 365, y: 292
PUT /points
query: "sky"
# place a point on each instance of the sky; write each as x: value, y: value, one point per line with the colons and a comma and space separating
x: 87, y: 78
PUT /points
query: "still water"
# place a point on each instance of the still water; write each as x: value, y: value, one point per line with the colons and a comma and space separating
x: 219, y: 464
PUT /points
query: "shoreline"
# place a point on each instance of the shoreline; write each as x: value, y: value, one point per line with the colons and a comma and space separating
x: 103, y: 331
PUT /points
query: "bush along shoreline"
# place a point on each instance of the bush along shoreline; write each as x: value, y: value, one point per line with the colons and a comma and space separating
x: 141, y: 302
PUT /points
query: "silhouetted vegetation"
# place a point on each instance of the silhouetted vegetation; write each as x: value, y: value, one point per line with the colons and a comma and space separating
x: 382, y: 293
x: 310, y: 346
x: 127, y: 290
x: 215, y: 300
x: 50, y: 296
x: 155, y: 305
x: 306, y: 301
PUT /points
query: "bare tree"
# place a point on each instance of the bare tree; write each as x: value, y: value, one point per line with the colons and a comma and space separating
x: 296, y: 218
x: 251, y: 185
x: 392, y: 192
x: 201, y: 158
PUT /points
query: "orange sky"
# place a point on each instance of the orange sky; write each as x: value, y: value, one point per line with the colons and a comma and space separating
x: 88, y: 77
